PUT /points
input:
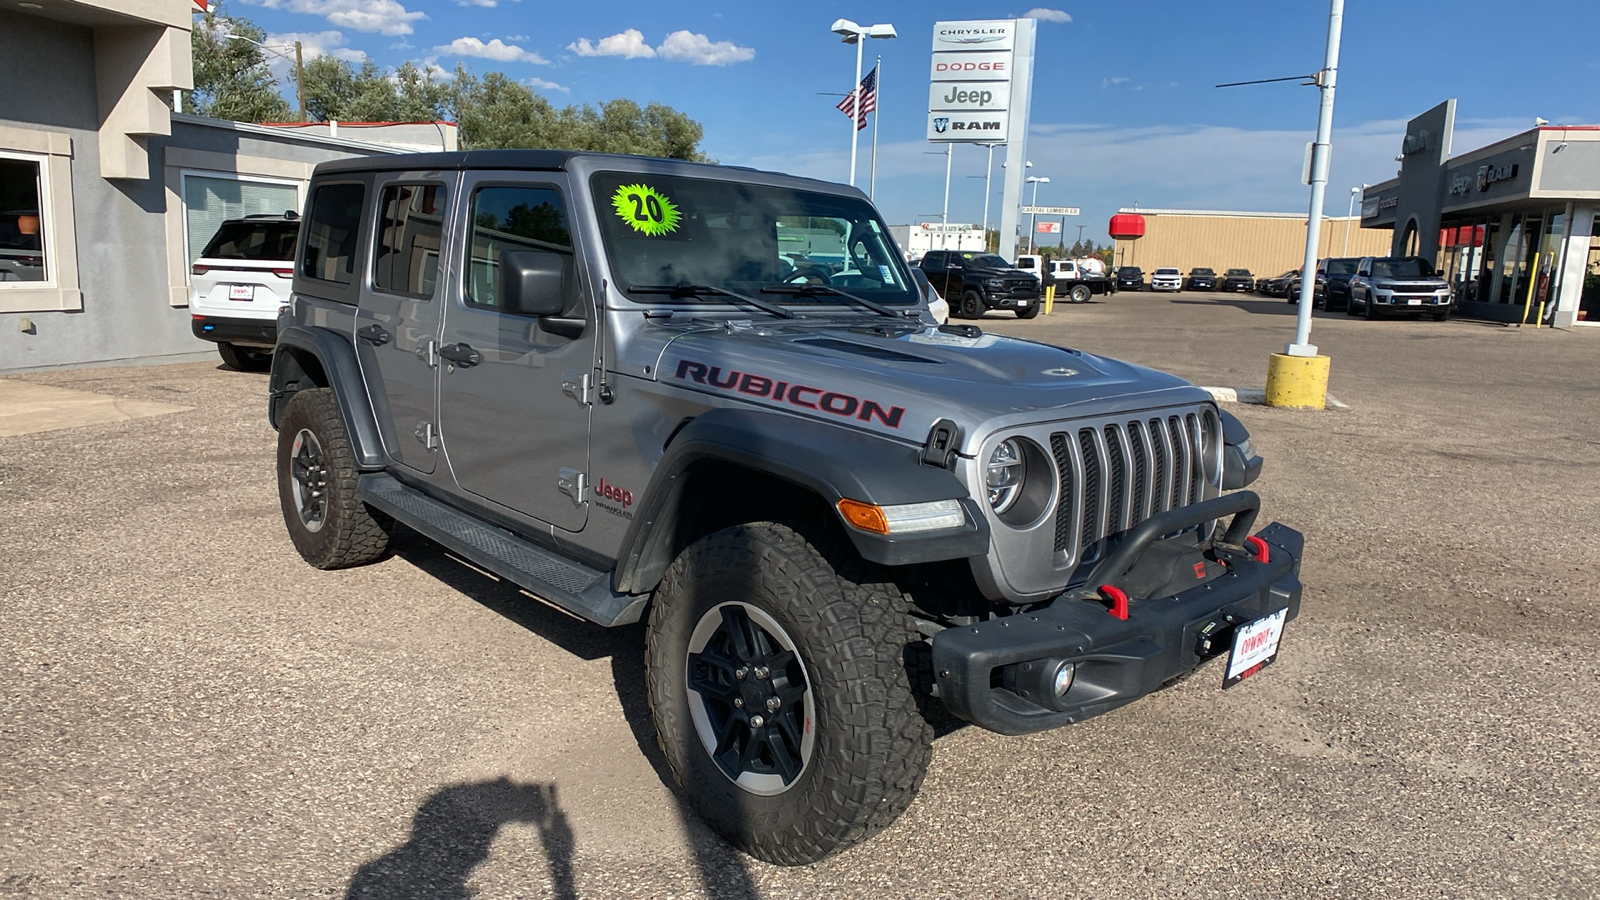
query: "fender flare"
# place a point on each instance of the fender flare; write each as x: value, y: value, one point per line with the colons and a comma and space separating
x: 830, y: 461
x: 339, y: 371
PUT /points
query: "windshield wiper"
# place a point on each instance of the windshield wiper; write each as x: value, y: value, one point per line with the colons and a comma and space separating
x: 685, y: 290
x: 805, y: 290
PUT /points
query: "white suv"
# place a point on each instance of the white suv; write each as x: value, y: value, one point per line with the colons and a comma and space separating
x: 238, y: 284
x: 1166, y: 280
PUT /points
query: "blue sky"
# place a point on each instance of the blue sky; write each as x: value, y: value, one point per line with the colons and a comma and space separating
x: 1124, y: 109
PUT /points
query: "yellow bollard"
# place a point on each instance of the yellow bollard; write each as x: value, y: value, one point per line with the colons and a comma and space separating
x: 1049, y: 299
x: 1297, y: 382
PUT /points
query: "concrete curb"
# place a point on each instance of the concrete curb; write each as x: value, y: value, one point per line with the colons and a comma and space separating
x: 1257, y: 396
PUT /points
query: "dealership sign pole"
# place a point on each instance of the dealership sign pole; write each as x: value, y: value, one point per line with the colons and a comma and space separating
x: 981, y: 92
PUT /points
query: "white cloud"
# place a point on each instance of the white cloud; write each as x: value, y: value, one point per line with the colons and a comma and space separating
x: 627, y: 44
x: 699, y: 50
x: 490, y: 4
x: 541, y: 84
x: 497, y: 50
x: 1047, y: 15
x: 388, y: 17
x: 1115, y: 79
x: 679, y: 46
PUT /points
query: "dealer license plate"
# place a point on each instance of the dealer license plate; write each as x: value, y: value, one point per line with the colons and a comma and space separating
x: 1255, y: 646
x: 241, y: 292
x: 1413, y: 301
x: 1022, y: 303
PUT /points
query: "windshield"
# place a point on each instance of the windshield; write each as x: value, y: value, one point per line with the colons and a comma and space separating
x: 1239, y: 272
x: 735, y: 236
x: 1129, y: 270
x: 253, y: 240
x: 1201, y: 272
x: 1401, y: 268
x: 1166, y: 271
x: 984, y: 260
x: 1342, y: 266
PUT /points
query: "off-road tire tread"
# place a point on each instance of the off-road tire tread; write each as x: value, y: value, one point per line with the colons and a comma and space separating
x: 355, y: 534
x: 1030, y: 311
x: 852, y: 621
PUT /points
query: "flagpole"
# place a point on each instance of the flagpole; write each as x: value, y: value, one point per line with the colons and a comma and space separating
x: 877, y: 104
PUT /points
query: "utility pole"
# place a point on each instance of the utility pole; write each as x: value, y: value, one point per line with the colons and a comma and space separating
x: 944, y: 218
x: 300, y: 79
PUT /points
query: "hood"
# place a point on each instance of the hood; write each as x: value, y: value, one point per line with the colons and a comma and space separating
x: 899, y: 378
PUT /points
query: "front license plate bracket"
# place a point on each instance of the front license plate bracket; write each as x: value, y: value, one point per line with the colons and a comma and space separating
x: 1255, y: 646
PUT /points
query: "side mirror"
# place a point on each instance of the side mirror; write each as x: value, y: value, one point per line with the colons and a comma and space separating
x: 535, y: 282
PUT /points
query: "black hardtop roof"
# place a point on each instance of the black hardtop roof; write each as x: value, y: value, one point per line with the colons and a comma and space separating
x: 546, y: 160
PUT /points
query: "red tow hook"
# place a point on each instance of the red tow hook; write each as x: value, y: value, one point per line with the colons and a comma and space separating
x: 1263, y: 553
x: 1119, y: 600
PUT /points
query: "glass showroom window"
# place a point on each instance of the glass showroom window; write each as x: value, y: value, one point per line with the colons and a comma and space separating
x: 208, y: 202
x: 22, y: 225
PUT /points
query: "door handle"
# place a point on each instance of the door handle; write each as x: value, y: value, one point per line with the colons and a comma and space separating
x: 461, y: 354
x: 373, y: 334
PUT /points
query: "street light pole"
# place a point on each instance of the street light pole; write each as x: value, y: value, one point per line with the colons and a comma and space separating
x: 852, y: 33
x: 1325, y: 81
x: 1033, y: 217
x: 944, y: 227
x: 1348, y: 215
x: 988, y: 173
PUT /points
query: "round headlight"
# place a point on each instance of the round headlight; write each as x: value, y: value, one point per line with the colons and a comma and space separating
x: 1004, y: 475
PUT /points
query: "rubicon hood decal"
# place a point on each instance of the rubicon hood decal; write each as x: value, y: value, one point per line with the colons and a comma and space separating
x: 795, y: 394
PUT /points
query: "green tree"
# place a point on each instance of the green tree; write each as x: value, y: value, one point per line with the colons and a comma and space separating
x: 231, y: 78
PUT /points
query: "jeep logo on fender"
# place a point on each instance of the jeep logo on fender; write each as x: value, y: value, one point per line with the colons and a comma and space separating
x: 614, y: 493
x: 800, y: 395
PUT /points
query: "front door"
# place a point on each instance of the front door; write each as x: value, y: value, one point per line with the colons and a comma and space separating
x: 512, y: 409
x: 397, y: 325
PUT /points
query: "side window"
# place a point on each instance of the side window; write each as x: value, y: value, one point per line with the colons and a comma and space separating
x: 933, y: 261
x: 406, y: 249
x: 511, y: 218
x: 332, y: 230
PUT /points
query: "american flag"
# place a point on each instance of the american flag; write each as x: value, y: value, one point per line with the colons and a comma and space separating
x: 869, y: 99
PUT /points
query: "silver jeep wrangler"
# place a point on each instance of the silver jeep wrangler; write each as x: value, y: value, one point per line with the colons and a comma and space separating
x: 713, y: 400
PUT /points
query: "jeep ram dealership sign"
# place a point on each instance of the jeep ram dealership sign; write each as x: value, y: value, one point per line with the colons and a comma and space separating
x: 969, y: 99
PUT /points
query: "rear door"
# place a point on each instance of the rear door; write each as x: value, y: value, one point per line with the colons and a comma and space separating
x: 397, y: 325
x: 513, y: 398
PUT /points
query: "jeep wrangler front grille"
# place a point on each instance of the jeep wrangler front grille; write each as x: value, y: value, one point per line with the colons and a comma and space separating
x: 1114, y: 477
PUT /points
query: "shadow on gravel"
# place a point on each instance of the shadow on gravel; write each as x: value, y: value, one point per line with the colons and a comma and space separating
x: 451, y: 834
x: 1264, y: 307
x: 723, y: 871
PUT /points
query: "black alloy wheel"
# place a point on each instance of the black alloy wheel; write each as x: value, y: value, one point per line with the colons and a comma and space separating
x: 750, y: 699
x: 971, y: 305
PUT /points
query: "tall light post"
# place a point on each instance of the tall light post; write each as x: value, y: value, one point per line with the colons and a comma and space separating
x: 1351, y: 214
x: 1026, y: 166
x: 299, y: 68
x: 851, y: 33
x: 988, y: 172
x: 1034, y: 180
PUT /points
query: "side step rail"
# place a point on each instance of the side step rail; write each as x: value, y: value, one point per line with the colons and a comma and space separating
x: 572, y: 586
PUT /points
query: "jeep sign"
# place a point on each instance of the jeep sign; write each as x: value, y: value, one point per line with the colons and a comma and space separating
x: 947, y: 95
x: 953, y: 127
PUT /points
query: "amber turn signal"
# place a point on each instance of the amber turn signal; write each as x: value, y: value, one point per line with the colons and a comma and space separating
x: 865, y: 516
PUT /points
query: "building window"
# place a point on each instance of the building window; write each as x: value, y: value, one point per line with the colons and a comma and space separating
x: 406, y: 250
x: 208, y: 201
x: 23, y: 257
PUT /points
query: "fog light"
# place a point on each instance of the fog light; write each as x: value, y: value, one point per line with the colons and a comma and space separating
x: 1063, y: 678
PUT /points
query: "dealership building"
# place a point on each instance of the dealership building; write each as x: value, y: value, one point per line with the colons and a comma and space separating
x: 1511, y: 225
x: 107, y: 196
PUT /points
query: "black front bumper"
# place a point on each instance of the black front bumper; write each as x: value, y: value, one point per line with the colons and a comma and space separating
x: 223, y: 329
x: 994, y: 674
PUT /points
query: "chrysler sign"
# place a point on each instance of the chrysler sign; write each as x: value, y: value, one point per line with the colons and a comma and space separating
x: 992, y: 34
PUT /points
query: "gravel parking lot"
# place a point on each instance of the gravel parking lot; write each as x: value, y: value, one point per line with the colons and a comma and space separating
x: 186, y: 709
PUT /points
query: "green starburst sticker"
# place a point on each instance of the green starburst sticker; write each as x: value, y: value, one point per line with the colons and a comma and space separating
x: 646, y: 209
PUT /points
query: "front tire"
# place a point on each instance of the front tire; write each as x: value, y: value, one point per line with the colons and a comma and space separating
x: 1030, y: 311
x: 776, y: 666
x: 327, y: 521
x: 971, y: 305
